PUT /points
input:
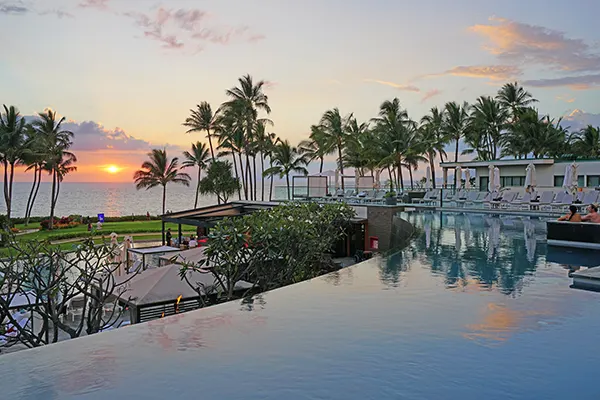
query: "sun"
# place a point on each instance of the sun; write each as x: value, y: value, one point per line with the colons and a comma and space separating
x: 112, y: 169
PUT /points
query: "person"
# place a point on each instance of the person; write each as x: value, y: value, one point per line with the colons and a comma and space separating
x: 592, y: 215
x: 148, y: 215
x: 193, y: 242
x: 169, y: 236
x: 572, y: 216
x: 89, y: 226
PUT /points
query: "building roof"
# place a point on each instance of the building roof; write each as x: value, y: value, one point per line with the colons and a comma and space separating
x: 209, y: 216
x: 499, y: 163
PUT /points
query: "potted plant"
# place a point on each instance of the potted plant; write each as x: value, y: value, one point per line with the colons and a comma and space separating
x: 390, y: 196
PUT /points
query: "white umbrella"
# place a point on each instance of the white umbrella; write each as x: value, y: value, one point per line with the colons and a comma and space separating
x: 428, y: 179
x: 530, y: 180
x: 467, y: 179
x: 496, y: 178
x: 568, y: 179
x: 127, y: 244
x: 378, y: 179
x: 114, y: 244
x: 491, y: 178
x: 458, y: 177
x: 574, y: 180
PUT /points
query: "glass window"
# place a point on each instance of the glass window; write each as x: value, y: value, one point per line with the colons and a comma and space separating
x: 581, y: 181
x: 483, y: 182
x: 512, y: 181
x: 558, y: 180
x: 593, y: 181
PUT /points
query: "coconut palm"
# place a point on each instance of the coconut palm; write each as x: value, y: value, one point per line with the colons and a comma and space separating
x: 335, y: 129
x: 455, y: 123
x: 488, y: 119
x: 286, y: 159
x: 318, y: 146
x: 56, y: 142
x: 202, y: 119
x: 160, y: 171
x: 514, y: 99
x: 33, y: 159
x: 250, y: 99
x: 432, y: 138
x: 270, y: 144
x: 392, y: 126
x: 197, y: 158
x: 64, y: 167
x: 587, y: 142
x: 12, y: 149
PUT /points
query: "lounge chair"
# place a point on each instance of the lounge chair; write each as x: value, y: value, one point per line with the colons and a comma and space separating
x: 477, y: 200
x: 426, y: 198
x: 471, y: 196
x: 545, y: 200
x: 458, y: 196
x: 484, y: 200
x: 507, y: 200
x: 590, y: 197
x: 495, y: 200
x: 521, y: 202
x: 378, y: 198
x: 565, y: 202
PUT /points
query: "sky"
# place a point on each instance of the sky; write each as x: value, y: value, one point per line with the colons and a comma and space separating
x: 125, y: 73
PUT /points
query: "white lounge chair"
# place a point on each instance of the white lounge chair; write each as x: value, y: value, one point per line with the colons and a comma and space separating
x: 427, y: 198
x: 590, y: 197
x: 507, y: 200
x: 545, y: 200
x: 471, y: 196
x: 495, y: 200
x: 521, y: 202
x: 565, y: 202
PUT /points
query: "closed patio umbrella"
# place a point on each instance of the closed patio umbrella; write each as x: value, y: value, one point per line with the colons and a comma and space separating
x: 574, y: 180
x: 458, y: 177
x: 568, y: 179
x: 490, y: 178
x: 428, y: 179
x: 496, y: 178
x: 530, y: 179
x: 467, y: 179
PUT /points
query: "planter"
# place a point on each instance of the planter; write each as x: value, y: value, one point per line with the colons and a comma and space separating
x: 391, y: 201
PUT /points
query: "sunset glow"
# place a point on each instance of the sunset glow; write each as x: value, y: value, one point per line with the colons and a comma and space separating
x: 112, y: 169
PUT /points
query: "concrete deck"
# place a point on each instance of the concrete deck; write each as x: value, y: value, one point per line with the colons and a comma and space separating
x: 587, y: 279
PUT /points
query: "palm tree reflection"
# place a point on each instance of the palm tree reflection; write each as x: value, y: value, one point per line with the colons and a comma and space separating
x: 484, y: 252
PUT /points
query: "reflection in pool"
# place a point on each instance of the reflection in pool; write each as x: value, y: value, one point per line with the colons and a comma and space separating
x: 471, y: 309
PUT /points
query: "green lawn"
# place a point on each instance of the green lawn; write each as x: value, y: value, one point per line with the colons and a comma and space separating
x: 120, y: 228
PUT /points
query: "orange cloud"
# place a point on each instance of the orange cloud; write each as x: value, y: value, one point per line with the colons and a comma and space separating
x: 408, y: 88
x: 494, y: 72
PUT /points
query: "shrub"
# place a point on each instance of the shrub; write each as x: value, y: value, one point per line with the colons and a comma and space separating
x: 45, y: 224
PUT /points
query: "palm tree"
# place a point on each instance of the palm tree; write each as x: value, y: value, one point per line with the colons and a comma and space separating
x: 335, y: 129
x: 197, y: 158
x: 64, y: 167
x: 286, y: 159
x: 12, y: 149
x: 587, y: 143
x: 202, y: 119
x: 317, y: 146
x: 33, y: 159
x: 488, y: 119
x: 270, y: 144
x: 514, y: 99
x: 393, y: 124
x: 455, y: 123
x: 251, y: 99
x: 56, y: 142
x: 414, y: 152
x: 160, y: 171
x: 432, y: 138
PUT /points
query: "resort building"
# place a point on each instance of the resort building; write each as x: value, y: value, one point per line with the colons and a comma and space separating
x: 549, y: 172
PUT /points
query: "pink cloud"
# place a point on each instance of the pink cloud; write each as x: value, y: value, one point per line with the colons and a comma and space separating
x: 407, y: 88
x: 430, y: 94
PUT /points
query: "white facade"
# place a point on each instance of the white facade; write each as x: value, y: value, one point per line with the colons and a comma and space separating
x: 549, y: 172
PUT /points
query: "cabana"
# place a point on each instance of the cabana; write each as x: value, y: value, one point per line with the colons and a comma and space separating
x: 160, y: 292
x: 149, y: 256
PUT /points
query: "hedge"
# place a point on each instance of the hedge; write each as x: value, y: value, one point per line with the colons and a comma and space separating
x: 37, y: 220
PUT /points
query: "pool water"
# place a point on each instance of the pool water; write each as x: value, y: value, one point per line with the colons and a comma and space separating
x: 476, y: 307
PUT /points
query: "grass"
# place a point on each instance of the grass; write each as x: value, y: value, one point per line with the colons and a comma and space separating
x: 81, y: 231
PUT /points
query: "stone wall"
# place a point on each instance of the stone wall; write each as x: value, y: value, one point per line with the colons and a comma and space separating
x: 387, y: 227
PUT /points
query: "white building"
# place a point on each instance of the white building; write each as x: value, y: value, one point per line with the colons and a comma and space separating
x: 549, y: 172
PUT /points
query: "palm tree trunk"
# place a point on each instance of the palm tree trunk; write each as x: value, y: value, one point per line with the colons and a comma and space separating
x: 35, y: 175
x: 262, y: 176
x: 6, y: 195
x: 254, y: 175
x: 340, y: 162
x: 287, y: 181
x: 456, y: 151
x: 164, y: 199
x: 52, y: 204
x: 412, y: 186
x: 242, y: 175
x: 321, y: 165
x: 432, y: 171
x: 197, y: 187
x: 237, y: 177
x: 400, y: 177
x: 212, y: 152
x: 249, y: 176
x: 37, y: 188
x: 271, y: 185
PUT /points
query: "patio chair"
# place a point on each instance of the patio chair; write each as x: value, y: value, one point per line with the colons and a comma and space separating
x: 590, y: 197
x: 545, y: 200
x: 429, y: 196
x: 477, y: 199
x: 495, y: 199
x: 75, y: 307
x: 565, y: 202
x: 507, y: 199
x: 521, y: 202
x: 469, y: 197
x: 457, y: 197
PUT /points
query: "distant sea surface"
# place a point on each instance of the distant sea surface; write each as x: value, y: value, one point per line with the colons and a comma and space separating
x: 112, y: 199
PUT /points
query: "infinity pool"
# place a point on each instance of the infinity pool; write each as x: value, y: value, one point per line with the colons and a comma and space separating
x: 474, y: 308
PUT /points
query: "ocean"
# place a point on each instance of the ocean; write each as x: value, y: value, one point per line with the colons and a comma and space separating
x: 111, y: 199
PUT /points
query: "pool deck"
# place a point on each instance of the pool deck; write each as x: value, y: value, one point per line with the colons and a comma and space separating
x: 492, y: 211
x: 587, y: 279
